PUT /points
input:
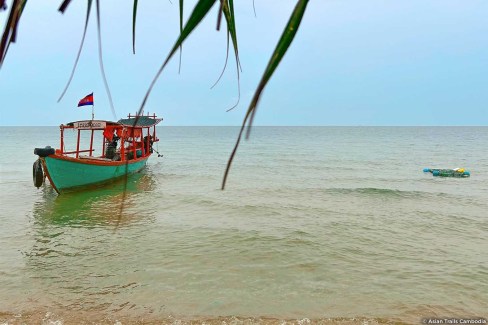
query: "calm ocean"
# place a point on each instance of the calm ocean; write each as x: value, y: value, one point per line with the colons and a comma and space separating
x: 335, y: 224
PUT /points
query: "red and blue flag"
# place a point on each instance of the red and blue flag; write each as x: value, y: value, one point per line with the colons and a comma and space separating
x: 87, y: 100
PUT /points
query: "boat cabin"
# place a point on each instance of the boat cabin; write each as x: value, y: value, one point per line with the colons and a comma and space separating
x: 127, y: 139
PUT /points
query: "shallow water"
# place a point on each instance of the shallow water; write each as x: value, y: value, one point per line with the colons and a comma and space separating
x: 316, y: 223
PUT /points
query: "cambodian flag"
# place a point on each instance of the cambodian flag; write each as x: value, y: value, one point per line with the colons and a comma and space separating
x: 87, y: 100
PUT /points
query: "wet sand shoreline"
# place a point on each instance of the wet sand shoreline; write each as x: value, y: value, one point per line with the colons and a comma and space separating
x: 88, y: 318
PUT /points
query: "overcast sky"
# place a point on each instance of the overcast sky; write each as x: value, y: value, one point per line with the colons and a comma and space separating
x: 353, y: 62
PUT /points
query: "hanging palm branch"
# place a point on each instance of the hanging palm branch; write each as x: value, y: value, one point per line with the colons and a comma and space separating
x: 278, y: 54
x: 10, y: 32
x: 62, y: 9
x: 134, y: 16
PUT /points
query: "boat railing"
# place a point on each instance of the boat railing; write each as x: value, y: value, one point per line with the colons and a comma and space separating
x: 77, y: 151
x: 137, y: 115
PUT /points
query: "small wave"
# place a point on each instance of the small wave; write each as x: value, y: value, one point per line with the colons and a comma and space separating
x: 373, y: 191
x: 14, y: 182
x: 460, y: 199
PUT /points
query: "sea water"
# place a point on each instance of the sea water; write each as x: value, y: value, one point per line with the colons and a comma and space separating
x: 333, y: 224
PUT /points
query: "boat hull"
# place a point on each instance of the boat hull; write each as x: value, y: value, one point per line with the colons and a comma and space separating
x: 66, y: 173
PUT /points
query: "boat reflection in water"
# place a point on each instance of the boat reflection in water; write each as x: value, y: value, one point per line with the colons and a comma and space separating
x: 82, y: 247
x: 111, y: 203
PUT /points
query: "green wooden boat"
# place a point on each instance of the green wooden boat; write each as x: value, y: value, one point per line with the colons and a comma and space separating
x: 126, y: 146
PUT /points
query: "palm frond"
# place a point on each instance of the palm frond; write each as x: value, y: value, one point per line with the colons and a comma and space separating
x: 17, y: 19
x: 10, y: 31
x: 234, y: 32
x: 88, y: 9
x: 202, y: 8
x: 228, y: 10
x: 219, y: 15
x: 225, y: 64
x: 278, y: 54
x: 181, y: 30
x: 64, y: 5
x: 134, y: 16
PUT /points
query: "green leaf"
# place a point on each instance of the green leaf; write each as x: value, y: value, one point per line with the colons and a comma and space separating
x: 219, y: 16
x: 88, y: 9
x: 181, y: 16
x: 228, y: 10
x: 64, y: 5
x: 280, y: 50
x: 202, y: 8
x: 181, y: 30
x: 10, y: 32
x: 134, y: 15
x: 4, y: 43
x: 17, y: 19
x: 225, y: 64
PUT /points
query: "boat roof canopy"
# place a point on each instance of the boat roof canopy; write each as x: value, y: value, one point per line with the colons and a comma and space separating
x: 142, y: 121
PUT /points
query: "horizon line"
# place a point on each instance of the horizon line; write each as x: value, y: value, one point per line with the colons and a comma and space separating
x: 339, y: 125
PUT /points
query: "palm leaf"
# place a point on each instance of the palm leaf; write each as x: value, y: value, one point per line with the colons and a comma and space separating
x: 181, y: 30
x: 15, y: 24
x: 225, y: 64
x: 280, y: 50
x: 64, y: 5
x: 222, y: 73
x: 88, y: 9
x: 227, y: 7
x: 181, y: 16
x: 17, y: 19
x: 228, y: 10
x: 13, y: 20
x: 134, y: 15
x: 219, y: 15
x: 201, y: 9
x: 233, y: 31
